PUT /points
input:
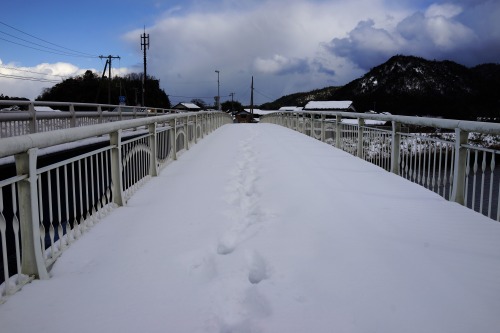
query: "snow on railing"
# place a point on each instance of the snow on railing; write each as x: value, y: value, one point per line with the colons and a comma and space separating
x: 47, y: 116
x: 445, y: 161
x: 45, y: 206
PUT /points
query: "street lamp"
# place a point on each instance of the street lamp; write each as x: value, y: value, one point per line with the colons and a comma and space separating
x: 218, y: 90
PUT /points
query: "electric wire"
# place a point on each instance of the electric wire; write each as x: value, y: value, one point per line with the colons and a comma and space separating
x: 82, y: 54
x: 32, y: 72
x: 27, y: 78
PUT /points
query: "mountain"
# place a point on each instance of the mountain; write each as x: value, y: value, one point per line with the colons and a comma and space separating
x: 301, y: 98
x: 408, y: 85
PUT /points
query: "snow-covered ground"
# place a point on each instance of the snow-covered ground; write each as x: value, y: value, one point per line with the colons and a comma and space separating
x: 262, y: 229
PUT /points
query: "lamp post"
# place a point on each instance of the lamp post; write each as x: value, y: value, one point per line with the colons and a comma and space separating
x: 218, y: 90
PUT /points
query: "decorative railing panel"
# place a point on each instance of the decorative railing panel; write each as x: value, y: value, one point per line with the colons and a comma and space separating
x: 446, y: 162
x: 45, y: 206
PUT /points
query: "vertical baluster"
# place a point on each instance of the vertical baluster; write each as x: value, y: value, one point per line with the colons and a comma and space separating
x: 100, y: 181
x: 59, y: 218
x: 76, y: 226
x: 483, y: 169
x: 40, y: 209
x: 452, y: 171
x: 81, y: 226
x: 88, y: 209
x: 492, y: 169
x: 51, y: 215
x: 15, y: 227
x: 107, y: 180
x: 467, y: 172
x: 425, y: 176
x: 439, y: 169
x: 432, y: 161
x: 475, y: 166
x: 3, y: 228
x: 66, y: 202
x: 92, y: 189
x: 419, y: 179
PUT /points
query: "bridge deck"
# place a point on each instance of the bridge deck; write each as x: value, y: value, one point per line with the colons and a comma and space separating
x: 259, y: 228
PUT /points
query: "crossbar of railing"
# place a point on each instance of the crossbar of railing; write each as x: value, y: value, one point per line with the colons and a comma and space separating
x: 14, y: 123
x: 449, y: 166
x: 44, y: 208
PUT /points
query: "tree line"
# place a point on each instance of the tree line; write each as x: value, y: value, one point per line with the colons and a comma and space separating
x: 90, y: 88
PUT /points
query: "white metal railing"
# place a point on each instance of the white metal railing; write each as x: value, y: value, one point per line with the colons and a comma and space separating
x: 447, y: 163
x: 14, y: 123
x: 44, y: 208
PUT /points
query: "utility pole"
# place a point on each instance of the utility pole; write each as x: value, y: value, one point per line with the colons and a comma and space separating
x: 232, y: 98
x: 251, y: 98
x: 144, y: 46
x: 108, y: 65
x: 218, y: 90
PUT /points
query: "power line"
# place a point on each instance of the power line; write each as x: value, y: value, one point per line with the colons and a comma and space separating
x: 27, y: 78
x: 82, y: 54
x: 33, y: 72
x: 53, y: 52
x: 260, y: 93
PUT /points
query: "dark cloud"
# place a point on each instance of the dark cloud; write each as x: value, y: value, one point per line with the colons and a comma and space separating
x: 365, y: 45
x: 464, y: 31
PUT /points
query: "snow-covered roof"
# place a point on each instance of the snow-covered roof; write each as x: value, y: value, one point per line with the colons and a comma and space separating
x: 45, y: 109
x: 260, y: 112
x: 290, y: 108
x: 187, y: 106
x: 328, y: 105
x: 367, y: 121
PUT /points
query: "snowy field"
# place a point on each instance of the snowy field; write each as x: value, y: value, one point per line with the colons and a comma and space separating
x: 262, y: 229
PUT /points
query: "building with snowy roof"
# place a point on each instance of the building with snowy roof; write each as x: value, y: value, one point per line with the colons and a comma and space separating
x: 187, y: 107
x: 329, y: 106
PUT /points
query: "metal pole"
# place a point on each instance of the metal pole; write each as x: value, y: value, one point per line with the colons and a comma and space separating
x: 218, y: 90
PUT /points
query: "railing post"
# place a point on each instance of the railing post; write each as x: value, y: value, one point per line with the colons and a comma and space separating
x: 73, y: 116
x: 195, y: 129
x: 117, y: 167
x: 458, y: 193
x: 33, y: 122
x: 173, y: 137
x: 361, y: 123
x: 153, y: 164
x: 186, y: 133
x: 32, y: 255
x: 203, y: 124
x: 323, y: 128
x: 395, y: 147
x: 338, y: 131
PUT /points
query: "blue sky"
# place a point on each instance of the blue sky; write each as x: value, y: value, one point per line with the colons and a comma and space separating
x: 287, y: 45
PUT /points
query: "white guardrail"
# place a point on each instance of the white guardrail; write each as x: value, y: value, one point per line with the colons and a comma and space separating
x: 446, y: 161
x: 49, y: 116
x: 47, y: 205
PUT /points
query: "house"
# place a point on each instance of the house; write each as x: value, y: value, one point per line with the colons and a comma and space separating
x: 187, y: 107
x: 243, y: 117
x: 329, y: 106
x: 290, y: 108
x: 45, y: 109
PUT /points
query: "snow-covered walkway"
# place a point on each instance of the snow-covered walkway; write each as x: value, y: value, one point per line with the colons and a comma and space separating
x: 261, y: 229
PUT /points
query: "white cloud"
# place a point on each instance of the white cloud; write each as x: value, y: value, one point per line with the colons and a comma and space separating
x: 445, y: 10
x: 293, y: 45
x: 277, y: 41
x: 442, y: 31
x: 29, y: 82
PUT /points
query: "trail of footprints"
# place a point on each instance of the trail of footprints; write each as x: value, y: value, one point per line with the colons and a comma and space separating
x: 246, y: 214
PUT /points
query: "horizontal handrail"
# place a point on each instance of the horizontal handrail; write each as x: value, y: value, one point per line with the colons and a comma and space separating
x: 17, y: 122
x: 450, y: 166
x: 43, y: 209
